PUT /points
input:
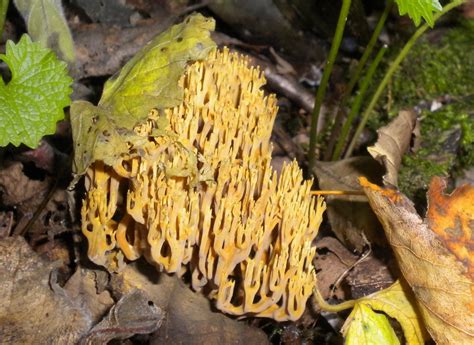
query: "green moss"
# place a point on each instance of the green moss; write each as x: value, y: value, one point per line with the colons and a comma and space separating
x: 447, y: 146
x: 438, y: 68
x: 435, y: 69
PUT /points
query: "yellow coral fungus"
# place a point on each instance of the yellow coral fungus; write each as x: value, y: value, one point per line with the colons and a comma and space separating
x: 201, y: 197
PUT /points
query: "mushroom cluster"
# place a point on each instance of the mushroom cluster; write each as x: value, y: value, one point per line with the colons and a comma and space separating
x: 201, y: 197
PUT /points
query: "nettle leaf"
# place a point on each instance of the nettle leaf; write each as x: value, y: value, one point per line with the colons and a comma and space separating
x: 148, y: 81
x: 417, y: 9
x: 47, y: 24
x: 33, y: 101
x: 365, y: 327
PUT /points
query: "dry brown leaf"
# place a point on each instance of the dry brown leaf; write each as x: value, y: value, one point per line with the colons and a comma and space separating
x: 132, y: 314
x: 350, y: 216
x: 392, y: 143
x: 189, y: 319
x: 369, y: 276
x: 434, y: 255
x: 331, y: 265
x: 30, y: 311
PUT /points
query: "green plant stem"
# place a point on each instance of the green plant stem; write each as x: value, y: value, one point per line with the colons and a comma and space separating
x: 336, y: 42
x: 360, y: 67
x: 358, y: 102
x: 335, y: 308
x: 3, y: 14
x: 391, y: 70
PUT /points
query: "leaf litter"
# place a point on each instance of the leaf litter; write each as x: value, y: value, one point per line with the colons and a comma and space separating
x: 452, y: 236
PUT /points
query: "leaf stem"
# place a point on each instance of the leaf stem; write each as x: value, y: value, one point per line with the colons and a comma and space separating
x: 391, y: 70
x: 3, y: 14
x: 336, y: 42
x: 358, y: 102
x: 335, y: 308
x: 356, y: 76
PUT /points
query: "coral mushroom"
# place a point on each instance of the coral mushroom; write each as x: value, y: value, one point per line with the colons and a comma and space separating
x: 201, y: 197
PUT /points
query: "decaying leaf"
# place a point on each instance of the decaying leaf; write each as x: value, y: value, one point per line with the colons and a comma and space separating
x: 133, y: 314
x: 148, y: 81
x: 189, y: 316
x: 366, y: 327
x: 30, y: 311
x: 351, y: 216
x: 370, y: 275
x: 393, y: 142
x: 47, y: 24
x: 331, y: 265
x: 434, y: 255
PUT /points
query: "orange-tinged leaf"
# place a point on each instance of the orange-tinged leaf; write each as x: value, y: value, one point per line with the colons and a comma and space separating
x: 451, y: 217
x: 434, y: 255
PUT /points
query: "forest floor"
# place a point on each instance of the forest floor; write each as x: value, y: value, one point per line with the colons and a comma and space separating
x: 54, y: 292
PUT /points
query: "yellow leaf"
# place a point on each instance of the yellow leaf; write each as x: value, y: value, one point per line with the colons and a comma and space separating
x: 365, y: 327
x: 398, y: 303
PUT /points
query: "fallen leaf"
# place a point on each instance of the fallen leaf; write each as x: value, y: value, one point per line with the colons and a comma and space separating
x: 47, y: 24
x: 399, y: 304
x: 434, y: 255
x: 148, y: 81
x: 392, y: 143
x: 82, y: 288
x: 189, y: 316
x: 351, y: 216
x: 133, y: 314
x: 365, y: 327
x: 30, y: 311
x: 333, y: 261
x: 371, y: 275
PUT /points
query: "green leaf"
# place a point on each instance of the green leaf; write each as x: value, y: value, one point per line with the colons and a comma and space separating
x: 47, y: 24
x: 398, y: 302
x: 365, y: 327
x: 33, y: 101
x: 148, y: 81
x: 417, y: 9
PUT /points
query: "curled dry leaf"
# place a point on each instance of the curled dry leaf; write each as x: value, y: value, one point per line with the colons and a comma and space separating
x: 392, y: 143
x: 434, y: 255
